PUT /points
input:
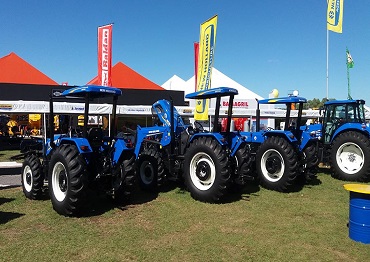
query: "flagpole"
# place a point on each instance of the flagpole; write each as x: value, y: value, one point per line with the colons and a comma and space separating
x: 349, y: 90
x: 327, y: 64
x: 349, y: 63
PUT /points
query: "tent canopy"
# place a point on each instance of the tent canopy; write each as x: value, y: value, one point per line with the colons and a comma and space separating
x: 14, y: 69
x: 125, y: 77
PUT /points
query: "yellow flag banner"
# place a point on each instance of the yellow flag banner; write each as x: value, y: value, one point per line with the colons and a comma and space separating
x: 335, y: 15
x: 207, y: 42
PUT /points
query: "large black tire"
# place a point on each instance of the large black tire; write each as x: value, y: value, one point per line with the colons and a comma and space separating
x: 150, y: 170
x: 276, y: 162
x: 350, y: 156
x: 67, y: 180
x: 123, y: 182
x: 32, y: 177
x: 243, y: 169
x: 310, y: 163
x: 206, y: 170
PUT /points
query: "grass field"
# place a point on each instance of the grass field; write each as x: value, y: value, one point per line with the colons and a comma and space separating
x: 5, y: 155
x: 255, y: 225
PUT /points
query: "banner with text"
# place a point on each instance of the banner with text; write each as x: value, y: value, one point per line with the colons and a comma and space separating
x: 335, y: 15
x: 207, y: 43
x: 105, y: 55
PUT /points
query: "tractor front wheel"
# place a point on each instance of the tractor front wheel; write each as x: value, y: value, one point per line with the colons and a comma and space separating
x: 243, y: 169
x: 350, y: 156
x: 276, y: 163
x: 123, y: 180
x: 150, y: 170
x: 310, y: 162
x: 32, y: 177
x: 206, y: 170
x: 67, y: 180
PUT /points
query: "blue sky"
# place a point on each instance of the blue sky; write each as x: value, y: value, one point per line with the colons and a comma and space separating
x: 262, y: 44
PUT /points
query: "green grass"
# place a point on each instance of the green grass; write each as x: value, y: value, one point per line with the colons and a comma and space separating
x: 5, y: 155
x: 257, y: 225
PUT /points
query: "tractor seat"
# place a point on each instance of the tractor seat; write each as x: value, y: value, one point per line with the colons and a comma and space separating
x: 95, y: 137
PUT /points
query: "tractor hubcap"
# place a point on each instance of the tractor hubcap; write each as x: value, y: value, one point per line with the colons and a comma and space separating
x: 273, y: 164
x: 63, y: 182
x: 203, y: 171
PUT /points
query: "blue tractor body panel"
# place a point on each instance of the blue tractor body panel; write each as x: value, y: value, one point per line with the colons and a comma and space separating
x: 283, y: 100
x: 93, y: 90
x: 212, y: 93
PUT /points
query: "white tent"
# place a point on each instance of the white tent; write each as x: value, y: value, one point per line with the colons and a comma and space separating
x: 245, y: 99
x: 175, y: 83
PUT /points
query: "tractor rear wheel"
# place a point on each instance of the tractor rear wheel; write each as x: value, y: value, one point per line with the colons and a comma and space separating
x: 350, y: 156
x: 67, y: 180
x: 276, y: 162
x: 150, y: 169
x: 32, y: 177
x: 206, y: 170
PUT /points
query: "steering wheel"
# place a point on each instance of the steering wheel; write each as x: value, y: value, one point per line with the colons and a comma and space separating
x: 198, y: 126
x: 130, y: 131
x: 76, y: 132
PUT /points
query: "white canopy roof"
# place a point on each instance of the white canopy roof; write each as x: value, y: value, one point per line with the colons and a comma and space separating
x: 245, y: 99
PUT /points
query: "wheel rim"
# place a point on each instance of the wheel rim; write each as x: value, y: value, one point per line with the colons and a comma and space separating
x: 272, y: 165
x: 59, y: 181
x: 202, y: 171
x: 350, y: 158
x: 146, y: 172
x: 27, y: 178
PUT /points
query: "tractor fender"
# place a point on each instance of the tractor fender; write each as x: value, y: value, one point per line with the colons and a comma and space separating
x: 357, y: 127
x: 120, y: 147
x: 260, y: 137
x: 152, y: 135
x: 307, y: 138
x: 79, y: 142
x: 288, y: 135
x: 216, y: 136
x: 238, y: 140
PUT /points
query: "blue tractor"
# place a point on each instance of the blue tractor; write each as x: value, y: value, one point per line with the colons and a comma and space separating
x: 345, y: 141
x: 206, y: 161
x: 283, y: 157
x: 75, y: 164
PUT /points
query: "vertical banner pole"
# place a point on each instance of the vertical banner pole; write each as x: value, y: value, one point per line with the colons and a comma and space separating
x: 327, y: 64
x: 207, y: 43
x: 105, y: 55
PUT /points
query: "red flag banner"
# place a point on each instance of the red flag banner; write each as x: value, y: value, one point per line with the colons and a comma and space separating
x: 105, y: 55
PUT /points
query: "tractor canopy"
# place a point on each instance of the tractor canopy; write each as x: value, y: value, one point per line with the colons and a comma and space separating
x: 334, y: 102
x: 92, y: 90
x: 212, y: 93
x: 283, y: 100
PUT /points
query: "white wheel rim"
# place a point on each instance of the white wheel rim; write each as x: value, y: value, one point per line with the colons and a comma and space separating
x: 350, y: 158
x: 272, y: 174
x: 202, y: 171
x: 146, y: 172
x: 59, y: 172
x: 27, y: 178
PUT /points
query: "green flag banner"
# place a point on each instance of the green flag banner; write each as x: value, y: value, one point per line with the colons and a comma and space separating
x: 350, y: 62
